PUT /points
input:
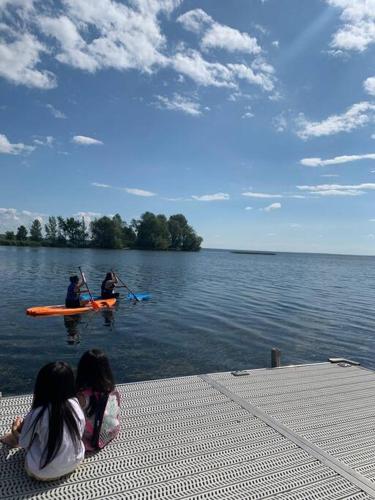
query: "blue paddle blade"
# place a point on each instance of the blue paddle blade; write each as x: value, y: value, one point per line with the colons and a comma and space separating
x: 140, y: 296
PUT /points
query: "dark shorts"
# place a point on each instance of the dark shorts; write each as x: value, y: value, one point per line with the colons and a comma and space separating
x: 110, y: 295
x: 71, y: 304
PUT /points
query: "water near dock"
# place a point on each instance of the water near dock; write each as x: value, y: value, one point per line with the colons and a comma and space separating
x: 210, y: 311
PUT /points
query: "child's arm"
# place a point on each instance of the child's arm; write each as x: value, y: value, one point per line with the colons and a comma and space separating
x: 81, y: 400
x: 26, y: 430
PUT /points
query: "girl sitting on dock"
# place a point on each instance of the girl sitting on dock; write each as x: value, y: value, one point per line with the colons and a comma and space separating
x: 51, y: 432
x: 98, y: 399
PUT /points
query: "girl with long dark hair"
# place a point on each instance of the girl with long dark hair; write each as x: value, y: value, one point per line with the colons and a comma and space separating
x: 51, y: 432
x: 108, y: 286
x: 98, y: 398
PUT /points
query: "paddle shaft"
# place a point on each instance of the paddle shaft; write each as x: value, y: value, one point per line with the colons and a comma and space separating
x: 123, y: 284
x: 94, y: 305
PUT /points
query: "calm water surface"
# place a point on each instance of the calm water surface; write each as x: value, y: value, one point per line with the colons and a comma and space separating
x: 210, y: 311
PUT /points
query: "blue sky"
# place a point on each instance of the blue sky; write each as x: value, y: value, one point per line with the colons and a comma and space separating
x: 254, y: 118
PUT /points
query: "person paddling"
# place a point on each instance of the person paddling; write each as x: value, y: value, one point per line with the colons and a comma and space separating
x: 74, y: 289
x: 108, y: 286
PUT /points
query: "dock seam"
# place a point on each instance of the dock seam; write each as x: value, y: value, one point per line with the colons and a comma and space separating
x: 347, y: 472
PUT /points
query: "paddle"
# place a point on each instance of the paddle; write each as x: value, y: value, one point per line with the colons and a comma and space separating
x: 93, y: 303
x: 123, y: 284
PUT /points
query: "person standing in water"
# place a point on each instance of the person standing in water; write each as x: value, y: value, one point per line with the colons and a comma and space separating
x: 108, y: 286
x: 74, y: 289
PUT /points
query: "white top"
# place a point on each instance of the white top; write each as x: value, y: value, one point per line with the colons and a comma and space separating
x: 67, y: 457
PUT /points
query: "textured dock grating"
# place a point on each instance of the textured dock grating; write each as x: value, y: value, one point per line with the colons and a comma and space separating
x: 294, y: 433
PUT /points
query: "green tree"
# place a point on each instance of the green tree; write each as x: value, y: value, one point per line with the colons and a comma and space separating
x: 162, y: 239
x: 36, y: 231
x: 21, y: 233
x: 82, y: 234
x: 152, y: 232
x: 192, y: 242
x: 9, y: 235
x: 61, y: 233
x: 177, y: 225
x: 106, y: 233
x: 51, y: 229
x: 183, y: 236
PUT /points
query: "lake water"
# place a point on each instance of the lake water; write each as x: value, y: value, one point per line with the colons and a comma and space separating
x: 210, y: 311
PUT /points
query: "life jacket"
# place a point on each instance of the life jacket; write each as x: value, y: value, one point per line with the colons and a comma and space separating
x: 71, y: 294
x: 102, y: 418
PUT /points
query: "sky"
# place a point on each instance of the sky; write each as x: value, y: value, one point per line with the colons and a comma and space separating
x: 253, y: 118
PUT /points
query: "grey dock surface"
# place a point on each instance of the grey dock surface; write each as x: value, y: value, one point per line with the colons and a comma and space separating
x: 298, y: 433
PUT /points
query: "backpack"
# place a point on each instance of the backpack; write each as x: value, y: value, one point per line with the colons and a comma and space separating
x: 102, y: 418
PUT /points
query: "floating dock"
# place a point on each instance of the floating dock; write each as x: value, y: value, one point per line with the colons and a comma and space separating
x: 297, y: 433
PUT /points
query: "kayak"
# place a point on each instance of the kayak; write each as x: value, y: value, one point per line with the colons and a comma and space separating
x: 61, y: 310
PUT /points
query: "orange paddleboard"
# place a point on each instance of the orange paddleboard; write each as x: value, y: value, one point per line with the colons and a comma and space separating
x: 66, y: 311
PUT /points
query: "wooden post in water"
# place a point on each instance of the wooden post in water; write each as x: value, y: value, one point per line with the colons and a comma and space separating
x: 275, y: 357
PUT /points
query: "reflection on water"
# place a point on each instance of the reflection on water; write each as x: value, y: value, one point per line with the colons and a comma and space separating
x: 71, y: 324
x: 109, y: 318
x: 210, y: 311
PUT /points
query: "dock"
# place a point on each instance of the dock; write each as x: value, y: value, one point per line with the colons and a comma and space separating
x: 296, y: 432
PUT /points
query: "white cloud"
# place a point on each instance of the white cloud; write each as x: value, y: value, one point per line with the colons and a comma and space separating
x: 280, y: 122
x: 358, y: 29
x: 369, y: 85
x: 85, y: 141
x: 134, y: 191
x: 216, y: 35
x: 371, y: 220
x: 126, y: 37
x: 88, y: 217
x: 212, y: 197
x: 100, y: 185
x: 273, y: 206
x: 11, y: 218
x: 232, y: 40
x: 248, y: 114
x: 19, y: 59
x: 55, y: 112
x: 139, y: 192
x: 263, y: 78
x: 7, y: 147
x: 338, y: 189
x: 294, y: 225
x: 93, y: 36
x: 329, y: 175
x: 337, y: 160
x: 190, y: 63
x: 251, y: 194
x: 180, y: 103
x: 276, y: 43
x: 355, y: 116
x: 248, y: 208
x: 195, y: 20
x: 47, y: 141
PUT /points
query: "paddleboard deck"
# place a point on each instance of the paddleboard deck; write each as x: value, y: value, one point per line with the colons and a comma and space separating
x: 130, y: 296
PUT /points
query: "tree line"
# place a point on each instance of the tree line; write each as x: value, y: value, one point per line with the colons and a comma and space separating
x: 150, y: 232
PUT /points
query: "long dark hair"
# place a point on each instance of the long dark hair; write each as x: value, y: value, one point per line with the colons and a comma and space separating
x: 94, y: 372
x: 54, y: 385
